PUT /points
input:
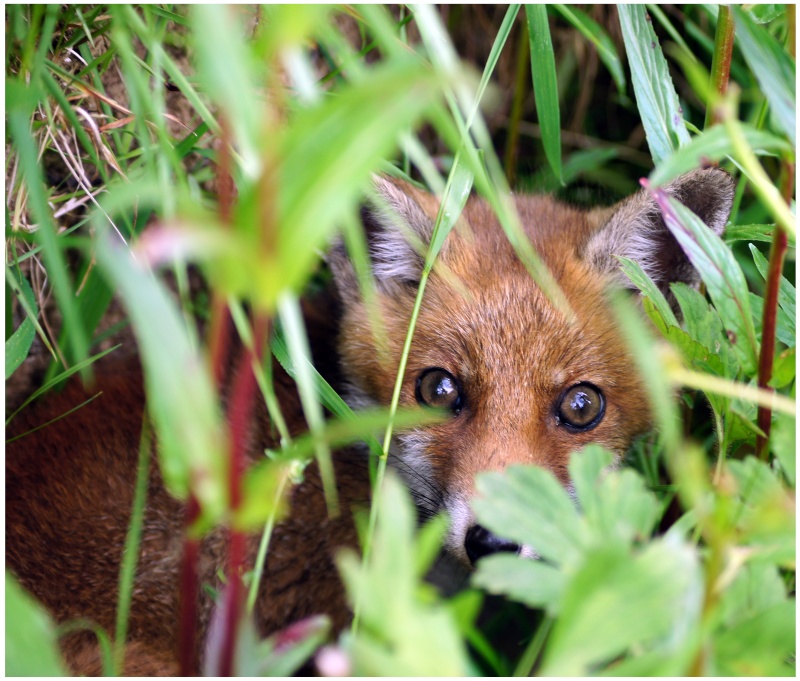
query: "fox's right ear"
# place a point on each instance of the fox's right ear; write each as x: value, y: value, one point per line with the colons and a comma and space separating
x: 398, y: 222
x: 635, y: 228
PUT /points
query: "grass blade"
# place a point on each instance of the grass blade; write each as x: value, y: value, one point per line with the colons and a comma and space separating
x: 545, y: 84
x: 602, y: 42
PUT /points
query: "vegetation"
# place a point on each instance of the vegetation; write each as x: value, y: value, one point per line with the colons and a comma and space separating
x: 244, y: 139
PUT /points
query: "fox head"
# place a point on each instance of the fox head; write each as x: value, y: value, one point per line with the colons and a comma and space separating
x: 523, y: 384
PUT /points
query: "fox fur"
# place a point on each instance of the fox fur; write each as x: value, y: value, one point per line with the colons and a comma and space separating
x: 498, y: 348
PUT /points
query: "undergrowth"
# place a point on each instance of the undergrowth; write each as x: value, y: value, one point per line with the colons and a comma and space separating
x: 244, y: 138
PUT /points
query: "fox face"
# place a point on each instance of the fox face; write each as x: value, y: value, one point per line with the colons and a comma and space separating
x: 521, y: 381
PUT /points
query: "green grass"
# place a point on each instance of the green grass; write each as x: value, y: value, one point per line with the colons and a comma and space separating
x: 309, y: 111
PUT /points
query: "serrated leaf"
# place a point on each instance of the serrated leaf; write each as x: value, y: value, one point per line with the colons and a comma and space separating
x: 703, y: 324
x: 656, y: 99
x: 720, y: 272
x: 787, y: 294
x: 714, y: 145
x: 610, y: 606
x: 759, y: 646
x: 399, y: 630
x: 595, y: 33
x: 617, y: 506
x: 772, y: 67
x: 530, y: 507
x: 527, y: 581
x: 545, y: 85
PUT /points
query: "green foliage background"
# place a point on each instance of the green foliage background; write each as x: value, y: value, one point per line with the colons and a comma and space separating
x: 681, y: 563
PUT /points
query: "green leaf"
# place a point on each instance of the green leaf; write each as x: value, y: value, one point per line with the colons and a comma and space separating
x: 181, y: 397
x: 703, y: 324
x: 530, y: 507
x: 361, y: 124
x: 763, y: 14
x: 714, y: 145
x: 595, y: 33
x: 773, y: 68
x: 759, y: 646
x: 787, y: 294
x: 757, y: 588
x: 783, y: 443
x: 784, y: 369
x: 531, y: 582
x: 31, y: 643
x: 545, y: 84
x: 617, y: 602
x: 283, y: 653
x: 721, y: 273
x: 784, y: 325
x: 402, y: 628
x: 18, y: 345
x: 617, y: 506
x: 633, y: 270
x: 658, y: 104
x: 753, y: 233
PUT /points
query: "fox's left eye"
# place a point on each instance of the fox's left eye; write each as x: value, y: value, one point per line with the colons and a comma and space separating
x: 582, y: 407
x: 438, y: 388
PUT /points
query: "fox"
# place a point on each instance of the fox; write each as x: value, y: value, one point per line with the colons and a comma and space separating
x: 517, y: 379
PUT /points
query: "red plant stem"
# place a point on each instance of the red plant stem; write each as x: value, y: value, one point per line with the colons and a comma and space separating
x: 190, y: 584
x: 766, y: 359
x: 239, y: 416
x: 721, y: 61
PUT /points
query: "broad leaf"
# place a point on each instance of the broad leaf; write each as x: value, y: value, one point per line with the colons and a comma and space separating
x: 658, y: 104
x: 773, y: 68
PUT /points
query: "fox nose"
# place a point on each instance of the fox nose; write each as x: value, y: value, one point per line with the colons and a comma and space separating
x: 479, y: 542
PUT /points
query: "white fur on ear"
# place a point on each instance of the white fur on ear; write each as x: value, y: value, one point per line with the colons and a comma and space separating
x: 637, y: 231
x: 398, y: 231
x: 398, y: 223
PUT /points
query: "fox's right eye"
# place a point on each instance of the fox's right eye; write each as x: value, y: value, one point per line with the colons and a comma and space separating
x: 439, y: 388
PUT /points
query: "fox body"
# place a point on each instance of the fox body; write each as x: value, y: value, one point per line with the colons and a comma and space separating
x: 523, y: 382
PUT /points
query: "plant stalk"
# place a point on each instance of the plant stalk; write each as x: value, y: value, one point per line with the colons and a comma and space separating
x: 239, y: 417
x: 777, y: 253
x: 190, y: 585
x: 721, y: 61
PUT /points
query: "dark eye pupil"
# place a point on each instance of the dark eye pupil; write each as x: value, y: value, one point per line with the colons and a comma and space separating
x: 581, y: 407
x: 438, y: 388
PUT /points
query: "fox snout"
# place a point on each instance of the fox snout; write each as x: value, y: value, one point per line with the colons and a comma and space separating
x: 480, y: 542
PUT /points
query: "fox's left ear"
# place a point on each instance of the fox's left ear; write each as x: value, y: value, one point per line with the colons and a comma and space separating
x: 635, y: 228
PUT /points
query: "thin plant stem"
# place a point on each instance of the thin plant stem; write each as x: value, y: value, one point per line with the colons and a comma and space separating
x: 721, y: 61
x: 263, y: 546
x: 130, y: 555
x: 534, y: 648
x: 190, y: 585
x: 515, y: 117
x: 239, y: 414
x: 777, y: 253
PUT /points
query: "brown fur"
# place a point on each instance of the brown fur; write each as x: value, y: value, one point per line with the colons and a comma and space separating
x: 69, y: 486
